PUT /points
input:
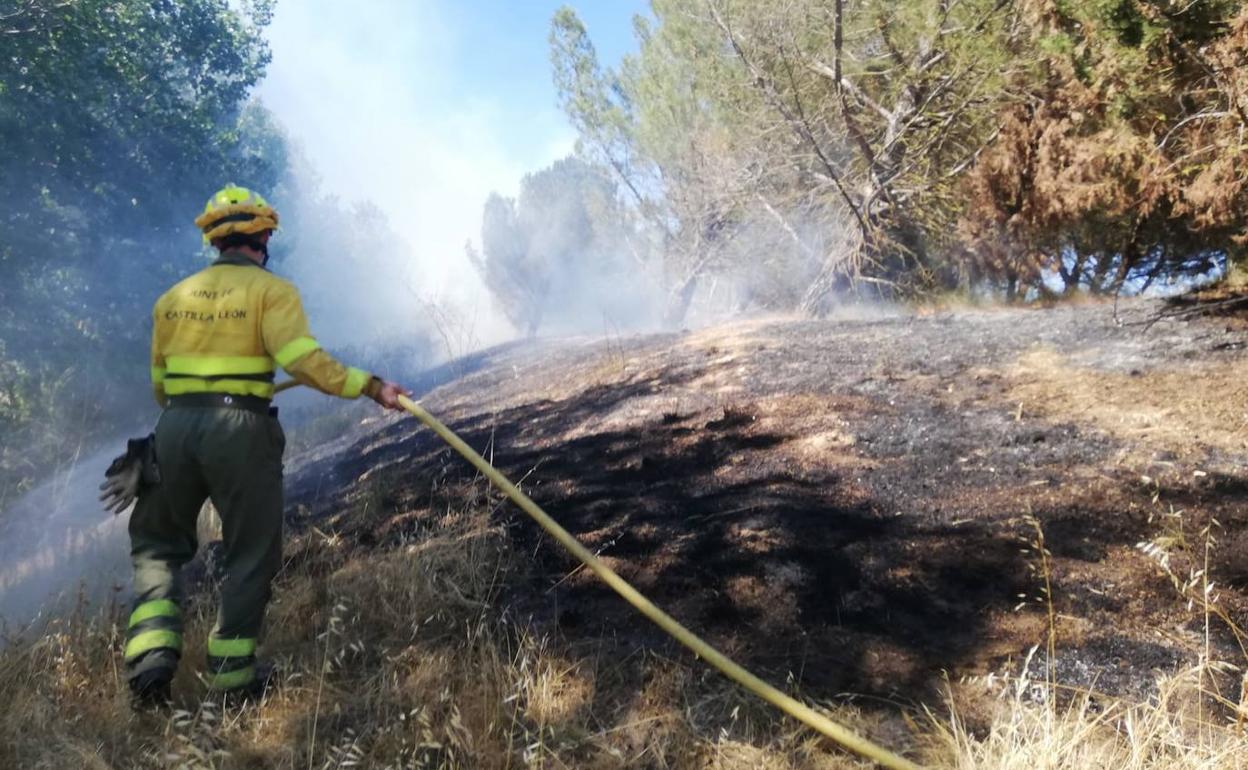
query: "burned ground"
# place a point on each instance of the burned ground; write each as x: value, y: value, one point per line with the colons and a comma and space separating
x: 850, y: 502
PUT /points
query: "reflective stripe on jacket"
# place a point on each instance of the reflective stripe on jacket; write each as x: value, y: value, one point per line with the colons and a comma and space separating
x: 228, y: 327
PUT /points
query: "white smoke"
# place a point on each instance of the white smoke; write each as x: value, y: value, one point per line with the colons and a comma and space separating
x: 58, y: 545
x: 363, y: 94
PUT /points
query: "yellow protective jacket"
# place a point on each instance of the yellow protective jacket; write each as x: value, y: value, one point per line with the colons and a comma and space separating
x: 228, y: 327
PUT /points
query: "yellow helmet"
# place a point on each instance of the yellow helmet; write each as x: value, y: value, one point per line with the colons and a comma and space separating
x: 235, y: 209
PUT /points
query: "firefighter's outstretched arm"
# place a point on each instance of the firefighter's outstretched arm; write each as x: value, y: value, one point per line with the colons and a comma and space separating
x: 288, y: 339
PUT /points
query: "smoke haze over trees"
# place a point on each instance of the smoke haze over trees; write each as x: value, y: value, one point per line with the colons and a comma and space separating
x: 1022, y: 148
x: 117, y: 120
x: 777, y: 156
x: 564, y: 251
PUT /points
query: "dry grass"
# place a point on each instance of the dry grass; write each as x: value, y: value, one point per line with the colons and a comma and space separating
x: 397, y: 658
x: 1235, y: 278
x: 1159, y: 409
x: 1030, y: 721
x: 1025, y: 729
x: 401, y: 658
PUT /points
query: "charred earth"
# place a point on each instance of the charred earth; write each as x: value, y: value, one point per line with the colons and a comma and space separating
x: 856, y: 504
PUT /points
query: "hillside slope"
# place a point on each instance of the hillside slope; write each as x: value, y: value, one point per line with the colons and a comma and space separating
x: 870, y: 513
x: 849, y: 502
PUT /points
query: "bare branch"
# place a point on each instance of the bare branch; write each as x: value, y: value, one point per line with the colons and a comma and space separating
x: 784, y: 223
x: 966, y: 162
x: 852, y: 127
x: 881, y: 24
x: 800, y: 127
x: 1190, y: 119
x: 822, y: 69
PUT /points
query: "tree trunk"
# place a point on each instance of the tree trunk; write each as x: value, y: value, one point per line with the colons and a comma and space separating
x: 679, y: 302
x: 1154, y: 273
x: 1098, y: 282
x: 1071, y: 278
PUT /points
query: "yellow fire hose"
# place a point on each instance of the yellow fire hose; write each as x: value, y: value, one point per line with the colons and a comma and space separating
x: 788, y: 705
x: 794, y: 708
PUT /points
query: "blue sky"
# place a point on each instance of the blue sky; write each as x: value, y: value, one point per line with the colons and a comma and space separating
x: 425, y: 106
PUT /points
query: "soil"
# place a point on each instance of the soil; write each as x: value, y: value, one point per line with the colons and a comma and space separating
x: 857, y: 504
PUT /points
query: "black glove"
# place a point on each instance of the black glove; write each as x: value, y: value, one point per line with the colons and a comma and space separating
x: 129, y: 474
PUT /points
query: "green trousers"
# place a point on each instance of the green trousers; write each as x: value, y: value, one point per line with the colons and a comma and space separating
x: 234, y: 457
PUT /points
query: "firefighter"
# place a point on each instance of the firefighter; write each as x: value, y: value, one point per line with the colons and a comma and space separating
x: 217, y: 341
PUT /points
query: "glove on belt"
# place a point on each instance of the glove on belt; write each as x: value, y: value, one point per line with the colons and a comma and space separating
x: 129, y: 474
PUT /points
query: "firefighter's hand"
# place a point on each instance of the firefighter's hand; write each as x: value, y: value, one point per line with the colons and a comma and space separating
x: 387, y: 394
x: 121, y: 484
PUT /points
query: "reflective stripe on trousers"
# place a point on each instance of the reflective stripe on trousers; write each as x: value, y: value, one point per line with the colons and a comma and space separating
x: 231, y: 662
x: 154, y: 625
